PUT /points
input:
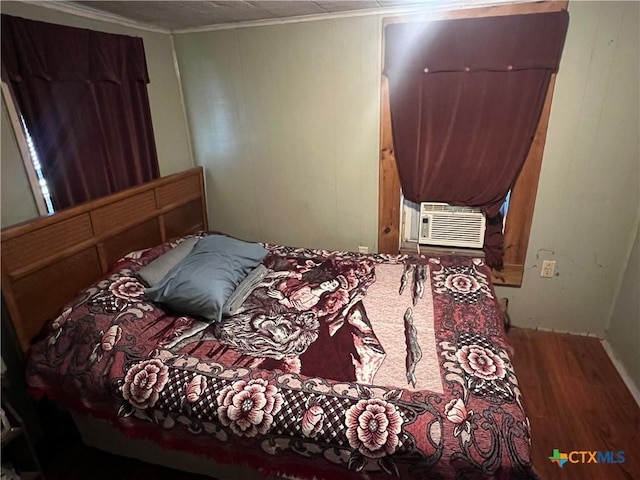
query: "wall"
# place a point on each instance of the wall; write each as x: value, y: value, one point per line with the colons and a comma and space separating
x: 623, y: 333
x: 588, y: 196
x: 16, y: 199
x: 286, y: 120
x: 170, y: 129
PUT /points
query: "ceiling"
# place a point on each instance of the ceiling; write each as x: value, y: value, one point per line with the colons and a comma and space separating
x: 188, y: 15
x: 181, y: 15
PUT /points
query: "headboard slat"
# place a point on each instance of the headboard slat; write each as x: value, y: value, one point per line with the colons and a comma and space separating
x: 136, y: 238
x: 184, y: 218
x: 123, y: 212
x: 20, y: 252
x: 173, y: 192
x: 37, y: 295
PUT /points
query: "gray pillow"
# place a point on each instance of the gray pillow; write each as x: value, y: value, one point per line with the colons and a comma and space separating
x: 155, y: 271
x: 242, y: 291
x: 201, y: 283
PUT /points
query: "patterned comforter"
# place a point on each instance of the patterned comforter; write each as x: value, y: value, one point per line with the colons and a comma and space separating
x: 337, y: 364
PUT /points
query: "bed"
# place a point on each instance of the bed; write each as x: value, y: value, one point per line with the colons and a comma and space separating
x: 336, y: 365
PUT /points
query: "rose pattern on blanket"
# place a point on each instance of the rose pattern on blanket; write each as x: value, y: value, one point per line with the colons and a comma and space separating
x: 363, y: 424
x: 215, y: 393
x: 143, y: 382
x: 118, y: 296
x: 465, y: 283
x: 248, y: 407
x: 312, y: 421
x: 485, y: 392
x: 373, y: 426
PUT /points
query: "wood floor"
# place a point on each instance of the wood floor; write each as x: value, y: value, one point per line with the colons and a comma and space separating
x: 576, y: 401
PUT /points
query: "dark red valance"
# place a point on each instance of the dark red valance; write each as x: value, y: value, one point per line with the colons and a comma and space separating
x: 59, y: 53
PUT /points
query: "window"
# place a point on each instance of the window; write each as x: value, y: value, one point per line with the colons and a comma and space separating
x: 43, y: 189
x: 522, y: 198
x: 29, y: 156
x: 89, y: 122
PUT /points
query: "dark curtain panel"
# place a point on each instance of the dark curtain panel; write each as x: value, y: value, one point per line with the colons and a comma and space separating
x: 83, y: 97
x: 466, y: 97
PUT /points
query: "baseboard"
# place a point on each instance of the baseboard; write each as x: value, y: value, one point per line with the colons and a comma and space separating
x: 626, y: 378
x: 555, y: 330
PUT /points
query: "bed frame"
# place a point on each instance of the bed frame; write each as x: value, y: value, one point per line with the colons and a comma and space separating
x: 48, y: 260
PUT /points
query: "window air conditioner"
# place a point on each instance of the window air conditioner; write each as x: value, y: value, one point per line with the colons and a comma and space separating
x: 446, y: 225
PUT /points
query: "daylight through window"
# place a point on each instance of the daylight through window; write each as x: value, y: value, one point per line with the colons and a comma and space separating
x: 42, y: 182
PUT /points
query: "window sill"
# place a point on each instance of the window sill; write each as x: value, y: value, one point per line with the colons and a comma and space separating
x: 509, y: 276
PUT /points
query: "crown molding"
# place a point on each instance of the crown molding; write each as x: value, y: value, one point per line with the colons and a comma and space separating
x: 80, y: 11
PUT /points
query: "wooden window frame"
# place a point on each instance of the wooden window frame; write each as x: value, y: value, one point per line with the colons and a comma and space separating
x: 523, y: 194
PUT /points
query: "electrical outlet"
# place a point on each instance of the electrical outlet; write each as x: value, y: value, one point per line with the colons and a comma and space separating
x: 363, y: 249
x: 548, y: 268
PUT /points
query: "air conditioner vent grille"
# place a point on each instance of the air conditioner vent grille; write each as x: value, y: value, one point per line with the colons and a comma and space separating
x: 442, y: 224
x: 444, y: 207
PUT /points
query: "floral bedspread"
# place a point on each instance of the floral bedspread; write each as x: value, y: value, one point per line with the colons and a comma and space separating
x: 337, y: 364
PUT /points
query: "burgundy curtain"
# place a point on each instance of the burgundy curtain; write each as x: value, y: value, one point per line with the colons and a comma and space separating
x: 83, y: 97
x: 466, y: 97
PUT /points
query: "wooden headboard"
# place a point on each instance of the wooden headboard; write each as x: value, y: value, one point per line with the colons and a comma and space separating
x: 47, y: 261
